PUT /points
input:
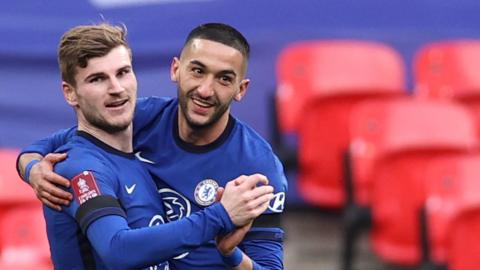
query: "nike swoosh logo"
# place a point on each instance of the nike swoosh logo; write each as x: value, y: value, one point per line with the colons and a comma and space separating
x: 142, y: 158
x: 130, y: 189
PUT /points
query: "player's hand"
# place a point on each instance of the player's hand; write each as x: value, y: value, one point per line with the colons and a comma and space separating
x: 227, y: 243
x: 43, y: 181
x: 244, y: 200
x: 219, y: 194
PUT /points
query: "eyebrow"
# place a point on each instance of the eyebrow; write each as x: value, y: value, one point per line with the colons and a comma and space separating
x: 223, y: 72
x: 103, y: 73
x: 97, y: 74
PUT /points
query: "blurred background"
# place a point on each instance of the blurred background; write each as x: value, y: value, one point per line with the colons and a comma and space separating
x: 312, y: 62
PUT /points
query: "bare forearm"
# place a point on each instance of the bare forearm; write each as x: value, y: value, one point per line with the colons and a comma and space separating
x: 24, y: 159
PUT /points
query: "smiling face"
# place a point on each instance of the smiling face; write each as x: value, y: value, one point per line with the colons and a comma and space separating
x: 105, y: 92
x: 209, y: 75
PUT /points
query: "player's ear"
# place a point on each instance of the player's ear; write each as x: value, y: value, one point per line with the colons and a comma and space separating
x: 242, y: 89
x: 69, y: 94
x: 174, y: 69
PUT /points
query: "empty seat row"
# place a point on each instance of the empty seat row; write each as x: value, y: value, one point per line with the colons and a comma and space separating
x: 367, y: 145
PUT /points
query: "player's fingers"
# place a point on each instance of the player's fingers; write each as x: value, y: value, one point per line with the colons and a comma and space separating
x: 262, y: 179
x: 260, y: 191
x: 240, y: 180
x: 57, y: 179
x: 219, y: 194
x: 252, y: 181
x: 55, y: 157
x: 261, y: 201
x: 261, y: 208
x: 61, y: 197
x: 51, y: 205
x: 249, y: 182
x: 54, y: 200
x: 56, y: 192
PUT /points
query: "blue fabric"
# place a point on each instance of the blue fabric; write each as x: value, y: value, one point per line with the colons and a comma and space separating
x: 141, y: 243
x: 28, y: 168
x: 123, y: 248
x: 238, y: 151
x: 180, y: 170
x: 234, y: 259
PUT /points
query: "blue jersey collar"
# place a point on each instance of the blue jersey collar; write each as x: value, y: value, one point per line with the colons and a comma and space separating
x: 103, y: 145
x: 202, y: 148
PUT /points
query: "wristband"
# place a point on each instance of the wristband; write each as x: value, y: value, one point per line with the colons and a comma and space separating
x: 234, y: 259
x: 28, y: 168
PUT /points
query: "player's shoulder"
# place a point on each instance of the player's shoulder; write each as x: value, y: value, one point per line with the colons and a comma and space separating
x: 154, y: 103
x: 81, y: 157
x: 252, y: 138
x: 259, y: 155
x: 150, y: 111
x: 259, y: 152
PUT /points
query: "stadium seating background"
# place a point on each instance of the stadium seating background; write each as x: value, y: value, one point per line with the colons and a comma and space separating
x: 32, y: 106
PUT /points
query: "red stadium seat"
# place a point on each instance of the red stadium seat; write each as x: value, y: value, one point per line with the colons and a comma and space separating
x: 449, y: 70
x: 463, y: 244
x: 452, y: 186
x: 23, y: 239
x: 12, y: 190
x: 331, y: 68
x: 319, y: 82
x: 392, y: 144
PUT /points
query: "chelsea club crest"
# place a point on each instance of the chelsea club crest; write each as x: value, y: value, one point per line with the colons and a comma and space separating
x: 205, y: 192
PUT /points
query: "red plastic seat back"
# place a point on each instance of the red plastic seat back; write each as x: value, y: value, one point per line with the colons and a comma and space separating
x: 23, y: 238
x: 463, y: 244
x: 323, y: 139
x: 382, y: 128
x: 392, y: 144
x: 452, y: 188
x: 319, y: 83
x: 448, y: 69
x: 330, y: 68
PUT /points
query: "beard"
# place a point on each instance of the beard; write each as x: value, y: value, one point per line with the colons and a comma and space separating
x: 218, y: 112
x: 100, y: 123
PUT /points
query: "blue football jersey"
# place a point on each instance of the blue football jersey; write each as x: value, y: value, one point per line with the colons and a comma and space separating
x: 188, y: 176
x: 104, y: 181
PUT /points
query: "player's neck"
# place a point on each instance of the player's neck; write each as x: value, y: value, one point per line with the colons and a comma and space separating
x: 201, y: 136
x: 122, y: 140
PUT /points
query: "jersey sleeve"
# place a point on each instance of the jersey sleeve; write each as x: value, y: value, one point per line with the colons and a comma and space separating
x: 273, y: 169
x: 102, y: 219
x: 265, y: 254
x: 93, y: 186
x: 51, y: 143
x: 264, y: 242
x: 123, y: 248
